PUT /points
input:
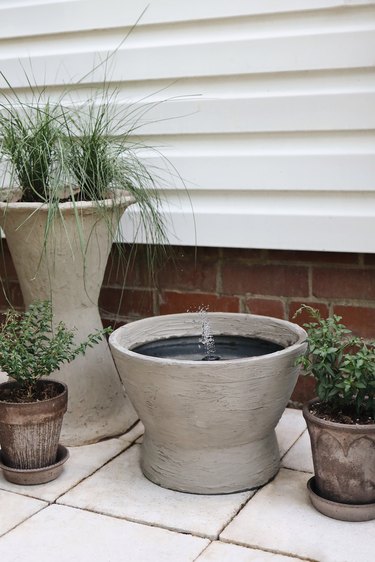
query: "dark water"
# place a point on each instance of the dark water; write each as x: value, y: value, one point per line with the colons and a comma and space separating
x: 190, y: 348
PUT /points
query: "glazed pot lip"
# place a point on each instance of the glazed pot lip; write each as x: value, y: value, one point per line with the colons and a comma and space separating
x: 121, y: 198
x: 115, y: 340
x: 64, y: 391
x: 309, y: 417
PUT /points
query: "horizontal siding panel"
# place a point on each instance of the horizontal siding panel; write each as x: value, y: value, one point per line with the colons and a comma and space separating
x: 306, y: 222
x: 263, y: 144
x: 313, y: 233
x: 269, y: 172
x: 195, y: 115
x: 265, y: 108
x: 272, y: 114
x: 270, y: 55
x: 27, y: 19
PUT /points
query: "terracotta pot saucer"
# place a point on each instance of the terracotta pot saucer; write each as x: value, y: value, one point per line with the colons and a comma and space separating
x: 341, y: 511
x: 32, y: 476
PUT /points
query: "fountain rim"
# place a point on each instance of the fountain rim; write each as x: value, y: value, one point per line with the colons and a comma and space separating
x: 117, y: 346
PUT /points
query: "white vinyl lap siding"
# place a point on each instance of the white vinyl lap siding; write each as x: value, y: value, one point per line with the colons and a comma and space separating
x: 264, y: 108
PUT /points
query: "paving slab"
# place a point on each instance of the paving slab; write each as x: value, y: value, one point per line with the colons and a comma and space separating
x: 64, y: 534
x: 136, y: 432
x: 280, y: 518
x: 299, y: 457
x: 83, y: 461
x: 222, y: 552
x: 289, y: 429
x: 15, y: 509
x: 120, y: 489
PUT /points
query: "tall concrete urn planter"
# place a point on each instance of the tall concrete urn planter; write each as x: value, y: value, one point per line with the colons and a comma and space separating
x: 66, y: 265
x: 209, y: 425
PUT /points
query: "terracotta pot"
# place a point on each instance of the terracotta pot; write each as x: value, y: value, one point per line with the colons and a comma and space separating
x: 30, y: 432
x: 344, y: 459
x: 69, y: 271
x: 209, y: 425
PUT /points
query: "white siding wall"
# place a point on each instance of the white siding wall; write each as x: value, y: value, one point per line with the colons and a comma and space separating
x: 268, y: 109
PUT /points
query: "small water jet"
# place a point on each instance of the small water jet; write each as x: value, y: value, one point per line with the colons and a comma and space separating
x: 209, y: 423
x: 207, y: 339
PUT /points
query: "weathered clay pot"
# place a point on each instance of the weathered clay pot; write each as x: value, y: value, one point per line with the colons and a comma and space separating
x: 344, y: 459
x: 30, y: 432
x: 69, y: 270
x: 209, y: 425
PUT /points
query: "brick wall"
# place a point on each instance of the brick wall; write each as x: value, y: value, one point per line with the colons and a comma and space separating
x: 269, y: 282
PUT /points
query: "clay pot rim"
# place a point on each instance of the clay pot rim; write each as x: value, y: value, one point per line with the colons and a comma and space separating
x: 353, y: 428
x: 115, y: 340
x: 63, y: 392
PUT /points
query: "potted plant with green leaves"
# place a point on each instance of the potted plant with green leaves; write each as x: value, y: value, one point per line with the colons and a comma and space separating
x: 72, y: 172
x: 32, y: 406
x: 341, y: 420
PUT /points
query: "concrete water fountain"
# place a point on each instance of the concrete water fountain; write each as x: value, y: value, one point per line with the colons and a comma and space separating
x: 209, y: 413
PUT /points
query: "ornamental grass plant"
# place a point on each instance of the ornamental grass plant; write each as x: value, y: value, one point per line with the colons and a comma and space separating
x: 53, y: 151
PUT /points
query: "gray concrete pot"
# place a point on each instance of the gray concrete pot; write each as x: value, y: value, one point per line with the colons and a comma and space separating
x: 344, y: 460
x: 209, y: 425
x: 68, y: 269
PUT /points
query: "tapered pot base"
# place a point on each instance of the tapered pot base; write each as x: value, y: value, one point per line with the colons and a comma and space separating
x: 340, y: 511
x: 33, y: 476
x: 222, y: 470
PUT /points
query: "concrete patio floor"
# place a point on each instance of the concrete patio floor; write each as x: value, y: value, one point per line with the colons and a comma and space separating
x: 103, y: 509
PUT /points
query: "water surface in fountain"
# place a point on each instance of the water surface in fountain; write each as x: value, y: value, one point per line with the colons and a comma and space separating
x: 191, y: 348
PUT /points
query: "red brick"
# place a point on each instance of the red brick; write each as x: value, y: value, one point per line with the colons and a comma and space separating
x: 369, y: 259
x: 313, y: 257
x: 304, y: 317
x: 173, y: 302
x: 266, y: 307
x: 192, y: 252
x: 243, y: 254
x: 344, y: 283
x: 203, y: 252
x: 133, y: 266
x: 125, y: 302
x: 277, y: 280
x: 121, y: 268
x: 304, y: 389
x: 187, y: 273
x: 148, y: 260
x: 360, y: 319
